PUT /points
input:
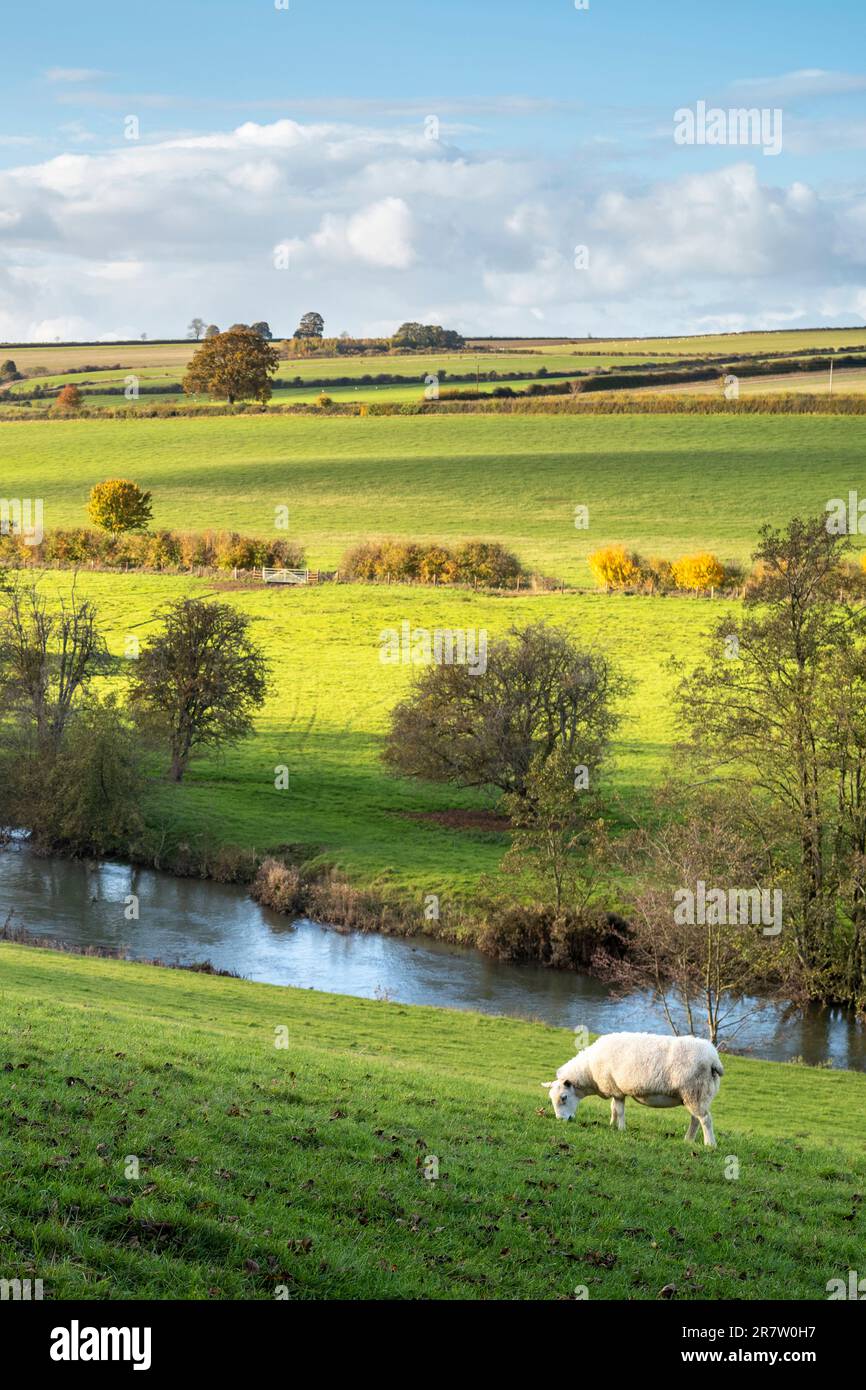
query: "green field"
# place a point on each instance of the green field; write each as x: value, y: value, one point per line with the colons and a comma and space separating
x: 654, y: 482
x: 299, y: 1171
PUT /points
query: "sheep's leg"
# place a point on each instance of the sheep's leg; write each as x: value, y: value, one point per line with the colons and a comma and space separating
x: 692, y: 1129
x: 617, y: 1112
x: 707, y: 1127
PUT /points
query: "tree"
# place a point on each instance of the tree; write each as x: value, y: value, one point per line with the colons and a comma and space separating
x: 8, y: 371
x: 118, y: 505
x: 211, y: 331
x: 196, y: 327
x: 49, y: 655
x: 67, y: 399
x: 557, y: 832
x: 236, y: 365
x: 199, y: 682
x: 263, y: 330
x: 539, y: 692
x: 777, y: 698
x: 311, y: 326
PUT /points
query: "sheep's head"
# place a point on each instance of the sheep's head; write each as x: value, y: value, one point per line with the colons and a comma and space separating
x: 563, y: 1097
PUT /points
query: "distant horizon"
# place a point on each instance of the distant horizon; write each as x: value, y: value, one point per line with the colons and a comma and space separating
x: 470, y: 337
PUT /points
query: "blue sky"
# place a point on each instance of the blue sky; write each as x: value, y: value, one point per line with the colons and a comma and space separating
x: 555, y: 128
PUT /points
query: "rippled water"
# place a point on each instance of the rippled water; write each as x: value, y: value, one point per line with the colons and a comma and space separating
x: 191, y: 920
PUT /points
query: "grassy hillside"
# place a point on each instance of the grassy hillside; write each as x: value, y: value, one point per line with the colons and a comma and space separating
x: 303, y: 1166
x: 655, y: 482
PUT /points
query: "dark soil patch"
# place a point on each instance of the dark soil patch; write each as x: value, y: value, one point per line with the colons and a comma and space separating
x: 460, y: 819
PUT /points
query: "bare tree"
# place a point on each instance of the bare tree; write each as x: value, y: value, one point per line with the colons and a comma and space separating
x: 693, y: 939
x: 49, y: 654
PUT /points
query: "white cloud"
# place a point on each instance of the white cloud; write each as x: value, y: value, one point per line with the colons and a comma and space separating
x: 384, y: 225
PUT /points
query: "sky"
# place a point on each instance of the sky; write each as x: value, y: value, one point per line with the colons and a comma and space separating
x: 502, y: 167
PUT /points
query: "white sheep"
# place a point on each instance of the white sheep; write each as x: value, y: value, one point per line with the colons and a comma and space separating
x: 652, y: 1068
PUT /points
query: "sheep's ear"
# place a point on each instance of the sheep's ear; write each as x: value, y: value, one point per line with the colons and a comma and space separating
x: 547, y: 1084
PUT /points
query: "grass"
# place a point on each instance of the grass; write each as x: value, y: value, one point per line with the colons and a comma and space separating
x: 665, y: 484
x: 302, y: 1167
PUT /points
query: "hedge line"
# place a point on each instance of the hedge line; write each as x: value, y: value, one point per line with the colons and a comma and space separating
x: 156, y: 550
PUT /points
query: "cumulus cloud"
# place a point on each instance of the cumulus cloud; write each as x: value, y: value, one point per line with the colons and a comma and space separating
x: 372, y: 226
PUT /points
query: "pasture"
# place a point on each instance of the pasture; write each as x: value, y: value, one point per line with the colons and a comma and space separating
x: 300, y: 1171
x: 663, y: 484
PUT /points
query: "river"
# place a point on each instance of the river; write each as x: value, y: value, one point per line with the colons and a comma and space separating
x: 194, y: 920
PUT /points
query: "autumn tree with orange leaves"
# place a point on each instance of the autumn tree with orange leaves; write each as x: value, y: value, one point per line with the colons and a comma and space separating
x: 236, y: 365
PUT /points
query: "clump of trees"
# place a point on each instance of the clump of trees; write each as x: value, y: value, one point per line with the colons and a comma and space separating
x: 199, y: 682
x: 472, y: 562
x: 235, y: 365
x: 119, y: 505
x: 427, y: 335
x: 9, y: 371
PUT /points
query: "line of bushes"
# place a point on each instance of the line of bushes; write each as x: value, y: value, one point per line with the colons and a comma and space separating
x: 782, y: 403
x: 601, y: 403
x: 618, y: 567
x: 155, y: 550
x: 473, y: 562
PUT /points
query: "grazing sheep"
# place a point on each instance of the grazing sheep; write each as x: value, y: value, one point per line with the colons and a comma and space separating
x: 652, y: 1068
